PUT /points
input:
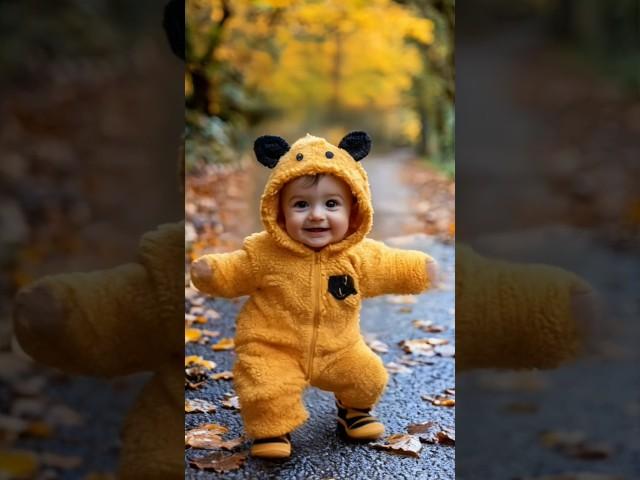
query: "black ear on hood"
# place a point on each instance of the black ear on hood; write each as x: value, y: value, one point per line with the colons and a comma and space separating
x: 269, y: 149
x: 358, y: 144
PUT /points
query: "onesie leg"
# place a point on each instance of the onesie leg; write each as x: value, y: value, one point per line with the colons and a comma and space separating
x: 356, y: 375
x: 269, y: 384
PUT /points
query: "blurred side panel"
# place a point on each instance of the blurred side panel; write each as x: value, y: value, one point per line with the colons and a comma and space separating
x: 548, y: 226
x: 91, y: 118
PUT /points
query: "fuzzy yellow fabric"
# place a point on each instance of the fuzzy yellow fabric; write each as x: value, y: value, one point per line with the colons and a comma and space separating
x: 513, y: 315
x: 120, y: 321
x: 292, y: 332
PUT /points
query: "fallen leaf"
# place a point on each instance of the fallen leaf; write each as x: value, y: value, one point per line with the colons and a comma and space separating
x: 197, y: 300
x: 207, y: 436
x: 231, y: 402
x: 437, y: 341
x: 198, y: 360
x: 219, y: 461
x: 419, y: 346
x: 440, y: 400
x: 428, y: 326
x: 192, y: 335
x: 429, y: 432
x: 378, y: 346
x: 197, y: 311
x: 198, y: 405
x: 402, y: 299
x: 231, y: 444
x: 210, y: 333
x: 223, y: 344
x: 211, y: 314
x: 226, y: 375
x: 405, y: 310
x: 401, y: 443
x: 450, y: 391
x: 397, y: 368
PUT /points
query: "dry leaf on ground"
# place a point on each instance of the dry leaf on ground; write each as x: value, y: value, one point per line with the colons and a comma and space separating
x: 198, y: 360
x: 402, y: 299
x: 378, y: 346
x: 401, y: 443
x: 575, y: 444
x: 223, y: 344
x: 220, y: 462
x: 394, y: 368
x: 440, y: 400
x: 430, y: 432
x: 231, y: 401
x: 198, y: 405
x: 226, y: 375
x: 207, y: 436
x: 428, y: 326
x: 192, y: 335
x: 418, y: 346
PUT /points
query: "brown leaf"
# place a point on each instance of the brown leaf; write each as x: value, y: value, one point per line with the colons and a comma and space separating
x: 419, y: 346
x: 429, y: 432
x: 219, y: 461
x: 450, y: 391
x: 205, y: 436
x: 223, y: 344
x: 231, y: 402
x: 231, y: 444
x: 440, y: 400
x: 226, y: 375
x: 198, y: 405
x: 428, y: 326
x: 400, y: 443
x: 436, y: 341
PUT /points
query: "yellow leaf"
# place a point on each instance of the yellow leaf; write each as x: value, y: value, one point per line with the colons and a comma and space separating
x: 223, y: 344
x: 192, y: 335
x: 198, y: 360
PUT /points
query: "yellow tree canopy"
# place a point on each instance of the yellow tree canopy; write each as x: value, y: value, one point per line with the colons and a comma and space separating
x: 353, y: 54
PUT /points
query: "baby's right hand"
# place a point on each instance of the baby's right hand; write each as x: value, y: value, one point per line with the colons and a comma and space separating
x: 201, y: 273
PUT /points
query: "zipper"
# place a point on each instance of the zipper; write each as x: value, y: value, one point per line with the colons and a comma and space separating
x: 317, y: 280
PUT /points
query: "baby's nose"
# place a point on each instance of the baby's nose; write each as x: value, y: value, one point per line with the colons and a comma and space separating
x: 316, y: 213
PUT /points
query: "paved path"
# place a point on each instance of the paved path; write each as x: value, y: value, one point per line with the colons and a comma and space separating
x: 318, y: 452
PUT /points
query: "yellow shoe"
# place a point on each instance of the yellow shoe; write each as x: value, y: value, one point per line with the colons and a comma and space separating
x: 272, y: 447
x: 358, y: 424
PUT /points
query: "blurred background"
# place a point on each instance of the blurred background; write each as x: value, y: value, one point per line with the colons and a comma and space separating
x: 288, y: 68
x: 548, y: 169
x: 90, y: 125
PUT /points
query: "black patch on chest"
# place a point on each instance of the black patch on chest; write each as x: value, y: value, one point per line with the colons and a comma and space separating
x: 341, y: 286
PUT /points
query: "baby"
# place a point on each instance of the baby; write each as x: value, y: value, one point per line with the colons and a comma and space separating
x: 306, y: 275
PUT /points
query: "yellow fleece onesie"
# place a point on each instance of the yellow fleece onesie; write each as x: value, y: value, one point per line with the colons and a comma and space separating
x: 300, y: 325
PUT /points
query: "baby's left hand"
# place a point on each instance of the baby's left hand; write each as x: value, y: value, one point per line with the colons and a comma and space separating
x: 432, y: 272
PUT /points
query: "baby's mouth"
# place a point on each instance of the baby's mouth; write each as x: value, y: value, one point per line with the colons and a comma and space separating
x: 316, y: 229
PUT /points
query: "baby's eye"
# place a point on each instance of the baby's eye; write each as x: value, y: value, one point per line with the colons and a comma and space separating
x: 332, y: 203
x: 300, y: 204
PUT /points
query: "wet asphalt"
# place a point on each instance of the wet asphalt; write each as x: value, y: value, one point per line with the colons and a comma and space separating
x: 318, y: 452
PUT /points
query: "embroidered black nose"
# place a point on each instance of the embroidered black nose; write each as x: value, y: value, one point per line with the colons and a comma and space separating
x: 341, y: 286
x: 329, y: 154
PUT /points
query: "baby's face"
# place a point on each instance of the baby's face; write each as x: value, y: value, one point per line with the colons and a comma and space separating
x: 316, y: 215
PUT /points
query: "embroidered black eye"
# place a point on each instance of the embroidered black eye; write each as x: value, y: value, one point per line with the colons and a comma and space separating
x: 299, y: 157
x: 329, y: 154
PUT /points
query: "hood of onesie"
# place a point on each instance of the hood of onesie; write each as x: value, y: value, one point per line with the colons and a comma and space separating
x: 310, y: 156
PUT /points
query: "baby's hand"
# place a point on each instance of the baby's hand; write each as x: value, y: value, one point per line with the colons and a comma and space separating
x: 432, y: 272
x: 201, y: 272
